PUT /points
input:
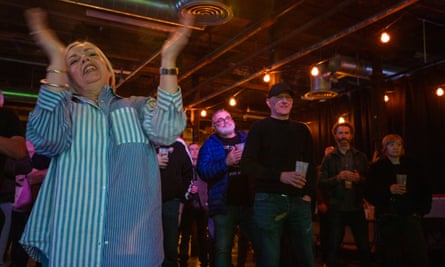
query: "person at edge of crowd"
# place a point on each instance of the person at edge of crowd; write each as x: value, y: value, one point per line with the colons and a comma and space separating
x: 194, y: 214
x: 39, y: 165
x: 322, y: 210
x: 12, y: 146
x: 228, y: 189
x: 399, y: 207
x: 100, y: 203
x: 176, y: 173
x: 282, y: 195
x: 342, y: 176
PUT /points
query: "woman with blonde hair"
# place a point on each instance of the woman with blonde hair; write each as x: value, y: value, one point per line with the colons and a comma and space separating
x: 399, y: 204
x: 100, y: 203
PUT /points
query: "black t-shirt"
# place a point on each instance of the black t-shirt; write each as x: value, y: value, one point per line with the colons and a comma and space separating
x: 237, y: 189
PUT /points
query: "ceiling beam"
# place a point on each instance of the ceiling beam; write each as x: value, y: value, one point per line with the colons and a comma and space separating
x: 331, y: 39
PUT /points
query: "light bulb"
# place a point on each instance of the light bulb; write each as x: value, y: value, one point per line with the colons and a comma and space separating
x: 341, y: 119
x: 232, y: 102
x: 266, y: 77
x: 385, y: 37
x: 315, y: 71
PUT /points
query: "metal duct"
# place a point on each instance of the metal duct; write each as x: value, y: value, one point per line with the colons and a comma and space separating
x: 347, y: 66
x: 320, y: 89
x: 206, y: 12
x: 335, y: 68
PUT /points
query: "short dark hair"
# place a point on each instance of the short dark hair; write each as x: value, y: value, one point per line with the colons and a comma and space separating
x: 338, y: 124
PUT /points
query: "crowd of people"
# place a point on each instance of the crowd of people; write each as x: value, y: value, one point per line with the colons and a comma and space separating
x: 123, y: 189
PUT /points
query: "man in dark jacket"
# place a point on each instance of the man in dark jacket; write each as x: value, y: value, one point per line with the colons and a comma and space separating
x: 228, y: 197
x: 342, y: 176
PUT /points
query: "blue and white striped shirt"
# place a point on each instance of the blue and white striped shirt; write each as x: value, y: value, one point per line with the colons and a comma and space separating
x: 100, y: 203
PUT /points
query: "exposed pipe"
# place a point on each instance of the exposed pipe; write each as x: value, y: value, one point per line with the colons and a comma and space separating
x: 269, y: 47
x: 379, y: 16
x: 237, y: 40
x: 160, y: 6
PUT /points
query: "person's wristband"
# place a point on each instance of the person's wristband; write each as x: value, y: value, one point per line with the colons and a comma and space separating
x: 168, y: 71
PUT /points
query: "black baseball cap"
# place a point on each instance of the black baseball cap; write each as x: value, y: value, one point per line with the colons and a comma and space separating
x: 279, y: 88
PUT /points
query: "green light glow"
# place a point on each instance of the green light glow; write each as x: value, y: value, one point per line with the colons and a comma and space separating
x: 20, y: 94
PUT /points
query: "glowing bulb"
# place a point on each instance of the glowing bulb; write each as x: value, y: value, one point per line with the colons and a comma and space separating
x: 384, y: 37
x: 232, y: 102
x: 386, y: 98
x: 341, y: 119
x: 266, y: 77
x: 203, y: 113
x: 315, y: 71
x: 439, y: 91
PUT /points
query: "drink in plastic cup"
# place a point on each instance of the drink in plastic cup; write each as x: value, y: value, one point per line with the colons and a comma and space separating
x: 240, y: 146
x: 163, y: 152
x: 301, y: 167
x: 401, y: 179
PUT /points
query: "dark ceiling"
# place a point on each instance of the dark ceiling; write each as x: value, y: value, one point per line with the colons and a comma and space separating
x: 282, y: 36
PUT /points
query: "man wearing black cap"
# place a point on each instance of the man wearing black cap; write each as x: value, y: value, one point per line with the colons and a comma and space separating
x: 282, y: 195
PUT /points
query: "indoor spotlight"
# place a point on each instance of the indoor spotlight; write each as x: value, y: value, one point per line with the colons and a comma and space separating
x: 439, y: 91
x: 232, y: 101
x: 203, y: 113
x: 385, y: 37
x: 386, y: 98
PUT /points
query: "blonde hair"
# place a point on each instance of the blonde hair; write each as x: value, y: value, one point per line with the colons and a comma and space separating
x: 391, y: 138
x: 109, y: 66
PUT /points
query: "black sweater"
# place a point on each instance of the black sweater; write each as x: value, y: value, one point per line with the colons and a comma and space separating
x: 273, y: 146
x: 382, y: 174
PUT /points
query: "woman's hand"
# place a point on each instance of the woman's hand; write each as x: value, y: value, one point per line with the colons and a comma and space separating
x: 45, y: 37
x: 177, y: 41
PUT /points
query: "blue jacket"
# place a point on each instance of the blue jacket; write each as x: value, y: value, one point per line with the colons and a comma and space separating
x: 212, y: 168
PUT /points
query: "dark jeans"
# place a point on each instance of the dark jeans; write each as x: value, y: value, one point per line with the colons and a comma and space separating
x: 403, y: 241
x: 225, y: 228
x: 273, y: 214
x: 191, y: 216
x: 170, y: 213
x: 356, y: 220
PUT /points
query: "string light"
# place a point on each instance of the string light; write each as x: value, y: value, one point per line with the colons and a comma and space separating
x: 232, y: 101
x: 266, y: 77
x: 341, y: 119
x: 315, y: 71
x: 203, y: 113
x: 385, y: 37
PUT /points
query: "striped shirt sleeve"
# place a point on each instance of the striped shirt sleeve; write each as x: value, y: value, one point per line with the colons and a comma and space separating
x: 164, y: 120
x: 49, y: 123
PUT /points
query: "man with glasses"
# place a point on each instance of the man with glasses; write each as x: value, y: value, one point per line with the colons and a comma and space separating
x: 228, y: 190
x: 282, y: 204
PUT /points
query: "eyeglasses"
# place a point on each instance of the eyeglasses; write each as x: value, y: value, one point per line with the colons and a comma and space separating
x: 220, y: 121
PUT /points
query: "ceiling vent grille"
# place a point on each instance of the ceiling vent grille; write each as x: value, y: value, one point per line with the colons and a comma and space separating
x: 206, y: 12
